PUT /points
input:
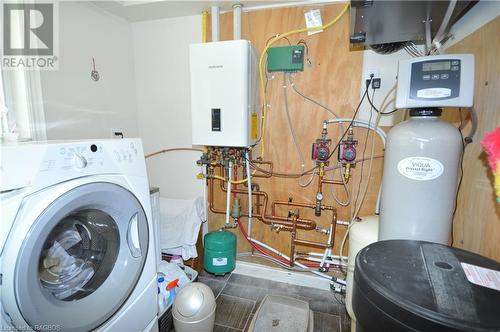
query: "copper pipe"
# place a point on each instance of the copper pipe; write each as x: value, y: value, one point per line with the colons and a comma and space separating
x: 334, y: 227
x: 335, y: 181
x: 292, y: 241
x: 306, y: 205
x: 311, y: 244
x: 305, y: 224
x: 320, y: 180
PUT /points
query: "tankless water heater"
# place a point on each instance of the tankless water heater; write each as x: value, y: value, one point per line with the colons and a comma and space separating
x: 224, y: 94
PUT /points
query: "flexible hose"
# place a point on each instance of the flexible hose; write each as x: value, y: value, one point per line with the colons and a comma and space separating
x: 317, y: 103
x: 171, y: 150
x: 290, y: 125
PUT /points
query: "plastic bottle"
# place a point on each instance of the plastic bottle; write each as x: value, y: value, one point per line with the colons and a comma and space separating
x: 178, y: 260
x: 172, y: 290
x: 162, y: 300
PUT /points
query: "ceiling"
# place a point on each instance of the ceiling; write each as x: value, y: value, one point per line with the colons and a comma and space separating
x: 135, y: 11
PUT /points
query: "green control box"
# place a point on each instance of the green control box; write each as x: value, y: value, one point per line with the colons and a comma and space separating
x: 285, y: 58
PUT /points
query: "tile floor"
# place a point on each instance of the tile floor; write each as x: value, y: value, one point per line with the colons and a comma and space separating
x: 238, y: 297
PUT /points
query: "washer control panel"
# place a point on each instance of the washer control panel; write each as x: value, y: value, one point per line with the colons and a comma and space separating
x: 41, y: 164
x: 88, y: 158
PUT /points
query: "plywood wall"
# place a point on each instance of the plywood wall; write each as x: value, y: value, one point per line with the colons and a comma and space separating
x: 477, y: 221
x: 334, y: 80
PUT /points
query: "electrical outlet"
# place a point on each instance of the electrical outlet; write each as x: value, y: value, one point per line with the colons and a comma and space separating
x: 371, y: 71
x: 372, y: 74
x: 375, y: 83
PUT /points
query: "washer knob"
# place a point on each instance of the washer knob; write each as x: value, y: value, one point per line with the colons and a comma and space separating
x: 79, y: 161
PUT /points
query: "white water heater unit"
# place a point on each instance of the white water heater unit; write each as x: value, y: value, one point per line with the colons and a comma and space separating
x: 224, y: 94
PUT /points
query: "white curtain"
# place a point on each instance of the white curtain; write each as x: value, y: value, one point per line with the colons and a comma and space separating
x: 24, y: 103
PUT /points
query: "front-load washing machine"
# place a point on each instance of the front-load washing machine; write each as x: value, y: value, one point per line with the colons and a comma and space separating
x: 77, y: 249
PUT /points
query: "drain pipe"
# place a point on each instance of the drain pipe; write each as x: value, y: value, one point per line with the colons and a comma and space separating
x: 237, y: 21
x: 215, y: 23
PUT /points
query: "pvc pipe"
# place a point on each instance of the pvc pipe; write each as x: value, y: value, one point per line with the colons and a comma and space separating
x: 249, y: 183
x: 320, y: 254
x: 444, y: 24
x: 327, y: 249
x: 228, y: 196
x: 237, y: 21
x: 215, y: 23
x: 330, y: 261
x: 323, y: 275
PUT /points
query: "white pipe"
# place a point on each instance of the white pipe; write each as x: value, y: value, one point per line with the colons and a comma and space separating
x: 228, y: 196
x: 363, y: 124
x: 237, y: 21
x: 215, y: 23
x: 320, y: 254
x: 288, y: 259
x: 444, y: 24
x: 377, y: 206
x: 329, y: 261
x: 327, y: 249
x: 428, y: 37
x: 249, y: 183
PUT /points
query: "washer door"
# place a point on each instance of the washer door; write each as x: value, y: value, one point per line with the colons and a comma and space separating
x: 81, y: 258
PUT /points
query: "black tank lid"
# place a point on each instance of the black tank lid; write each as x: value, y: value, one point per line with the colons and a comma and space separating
x: 427, y: 111
x: 415, y: 285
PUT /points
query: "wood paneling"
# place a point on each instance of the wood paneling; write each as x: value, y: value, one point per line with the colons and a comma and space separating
x: 477, y: 220
x: 334, y: 80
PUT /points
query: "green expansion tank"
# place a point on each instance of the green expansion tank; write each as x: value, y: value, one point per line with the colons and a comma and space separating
x: 220, y: 252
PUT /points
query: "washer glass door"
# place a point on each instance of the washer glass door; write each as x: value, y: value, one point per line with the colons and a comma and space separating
x: 82, y: 258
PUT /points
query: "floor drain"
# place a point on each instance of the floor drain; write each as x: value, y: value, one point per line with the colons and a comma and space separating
x: 276, y: 322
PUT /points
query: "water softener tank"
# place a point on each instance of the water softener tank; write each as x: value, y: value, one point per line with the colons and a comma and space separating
x: 220, y: 252
x: 419, y: 184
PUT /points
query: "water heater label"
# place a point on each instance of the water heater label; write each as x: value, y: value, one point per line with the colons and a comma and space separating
x: 420, y: 168
x: 219, y: 261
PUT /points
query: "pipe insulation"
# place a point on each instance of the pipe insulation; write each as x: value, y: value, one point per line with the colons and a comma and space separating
x: 237, y: 21
x: 215, y: 13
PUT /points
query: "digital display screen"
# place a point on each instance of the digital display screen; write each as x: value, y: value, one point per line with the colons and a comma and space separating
x: 435, y: 66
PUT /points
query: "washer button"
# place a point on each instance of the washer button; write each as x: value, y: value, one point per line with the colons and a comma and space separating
x: 454, y: 62
x: 454, y: 68
x: 435, y: 76
x: 445, y: 76
x: 426, y: 77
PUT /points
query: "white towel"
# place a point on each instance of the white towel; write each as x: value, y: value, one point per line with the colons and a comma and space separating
x: 180, y: 225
